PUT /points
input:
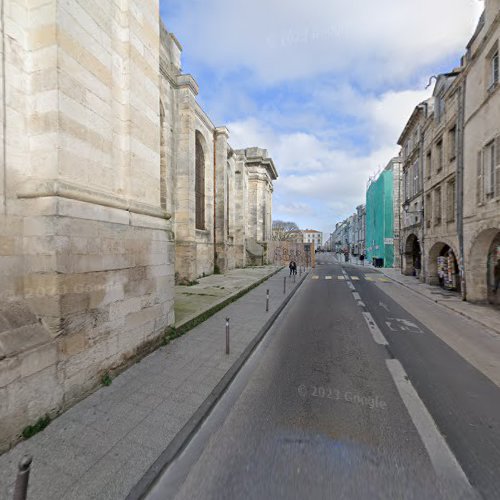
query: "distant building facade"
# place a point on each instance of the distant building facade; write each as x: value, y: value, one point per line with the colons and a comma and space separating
x: 380, y: 215
x: 412, y: 207
x: 313, y: 236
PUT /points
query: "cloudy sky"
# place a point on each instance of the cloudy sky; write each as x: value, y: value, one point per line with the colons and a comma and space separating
x: 325, y: 85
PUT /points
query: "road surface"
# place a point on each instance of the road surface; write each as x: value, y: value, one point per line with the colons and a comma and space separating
x: 349, y: 396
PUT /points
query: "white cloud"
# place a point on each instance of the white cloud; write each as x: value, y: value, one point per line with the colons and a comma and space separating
x: 324, y: 180
x: 374, y: 41
x: 334, y: 56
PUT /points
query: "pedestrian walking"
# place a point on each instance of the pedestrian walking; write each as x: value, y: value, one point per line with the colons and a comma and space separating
x: 294, y: 268
x: 290, y: 266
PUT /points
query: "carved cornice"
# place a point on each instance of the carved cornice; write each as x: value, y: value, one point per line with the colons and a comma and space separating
x: 63, y: 189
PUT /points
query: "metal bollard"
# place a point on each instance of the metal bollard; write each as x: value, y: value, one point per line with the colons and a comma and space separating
x: 227, y: 335
x: 23, y: 476
x: 267, y: 300
x: 284, y: 284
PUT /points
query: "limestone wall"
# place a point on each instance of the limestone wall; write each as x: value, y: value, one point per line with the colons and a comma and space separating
x: 97, y: 196
x: 86, y: 251
x: 482, y: 128
x: 280, y: 253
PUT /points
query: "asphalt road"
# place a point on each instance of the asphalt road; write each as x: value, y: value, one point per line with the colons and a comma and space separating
x: 325, y: 409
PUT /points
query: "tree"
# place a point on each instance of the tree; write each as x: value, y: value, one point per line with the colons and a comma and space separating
x: 286, y: 231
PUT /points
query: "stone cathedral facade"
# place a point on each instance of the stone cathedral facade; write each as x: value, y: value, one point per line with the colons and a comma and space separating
x: 113, y: 184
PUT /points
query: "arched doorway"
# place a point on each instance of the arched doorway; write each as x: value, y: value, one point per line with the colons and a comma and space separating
x: 443, y: 267
x: 412, y: 257
x: 493, y: 271
x: 483, y: 271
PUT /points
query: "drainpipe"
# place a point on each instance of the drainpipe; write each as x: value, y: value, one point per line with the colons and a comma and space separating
x: 4, y: 104
x: 215, y: 199
x: 423, y: 263
x: 459, y: 185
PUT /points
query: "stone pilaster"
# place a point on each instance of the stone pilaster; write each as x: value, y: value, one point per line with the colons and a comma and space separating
x: 221, y: 197
x: 185, y: 235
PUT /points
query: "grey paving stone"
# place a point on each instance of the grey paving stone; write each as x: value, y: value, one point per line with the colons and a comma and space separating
x: 101, y: 447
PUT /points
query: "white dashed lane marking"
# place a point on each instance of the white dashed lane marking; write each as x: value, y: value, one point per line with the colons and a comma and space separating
x: 377, y: 335
x: 444, y: 462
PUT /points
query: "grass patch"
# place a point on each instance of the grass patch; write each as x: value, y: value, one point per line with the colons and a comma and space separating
x: 210, y: 312
x: 106, y: 379
x: 38, y: 426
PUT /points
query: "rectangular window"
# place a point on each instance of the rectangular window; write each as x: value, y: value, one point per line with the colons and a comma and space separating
x: 489, y: 169
x: 494, y: 70
x: 428, y: 165
x: 439, y: 156
x: 450, y: 201
x: 437, y: 207
x: 428, y: 210
x: 479, y: 179
x: 452, y: 143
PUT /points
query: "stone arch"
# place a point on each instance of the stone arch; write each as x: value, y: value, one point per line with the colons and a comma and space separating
x: 480, y: 265
x: 412, y: 256
x: 163, y: 158
x: 442, y: 249
x: 199, y: 182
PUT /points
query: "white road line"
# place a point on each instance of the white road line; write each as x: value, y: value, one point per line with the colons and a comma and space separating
x: 315, y: 277
x: 355, y: 278
x: 361, y: 303
x: 356, y: 296
x: 350, y: 285
x: 341, y: 278
x: 374, y: 329
x: 328, y: 277
x: 444, y: 462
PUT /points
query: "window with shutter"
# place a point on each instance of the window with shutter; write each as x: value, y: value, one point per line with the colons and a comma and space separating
x: 489, y: 169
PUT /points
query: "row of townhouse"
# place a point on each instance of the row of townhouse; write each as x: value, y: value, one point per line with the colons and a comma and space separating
x: 349, y: 235
x: 436, y: 207
x: 450, y: 150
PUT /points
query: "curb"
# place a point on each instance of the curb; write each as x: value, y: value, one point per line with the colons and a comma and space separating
x: 444, y: 304
x: 190, y: 323
x: 182, y: 438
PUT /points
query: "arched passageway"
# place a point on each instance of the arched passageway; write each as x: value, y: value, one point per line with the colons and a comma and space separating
x: 412, y: 264
x: 483, y: 267
x: 442, y: 267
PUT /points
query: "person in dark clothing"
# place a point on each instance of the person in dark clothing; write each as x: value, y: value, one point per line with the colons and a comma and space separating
x: 290, y: 266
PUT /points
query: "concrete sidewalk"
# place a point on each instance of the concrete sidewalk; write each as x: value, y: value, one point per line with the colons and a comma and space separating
x: 101, y: 447
x: 486, y: 315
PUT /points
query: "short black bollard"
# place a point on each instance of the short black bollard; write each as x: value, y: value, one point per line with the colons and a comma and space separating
x: 227, y: 335
x: 267, y: 300
x: 23, y: 476
x: 284, y: 284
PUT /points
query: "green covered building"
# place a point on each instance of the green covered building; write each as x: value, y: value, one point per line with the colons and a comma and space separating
x: 382, y: 216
